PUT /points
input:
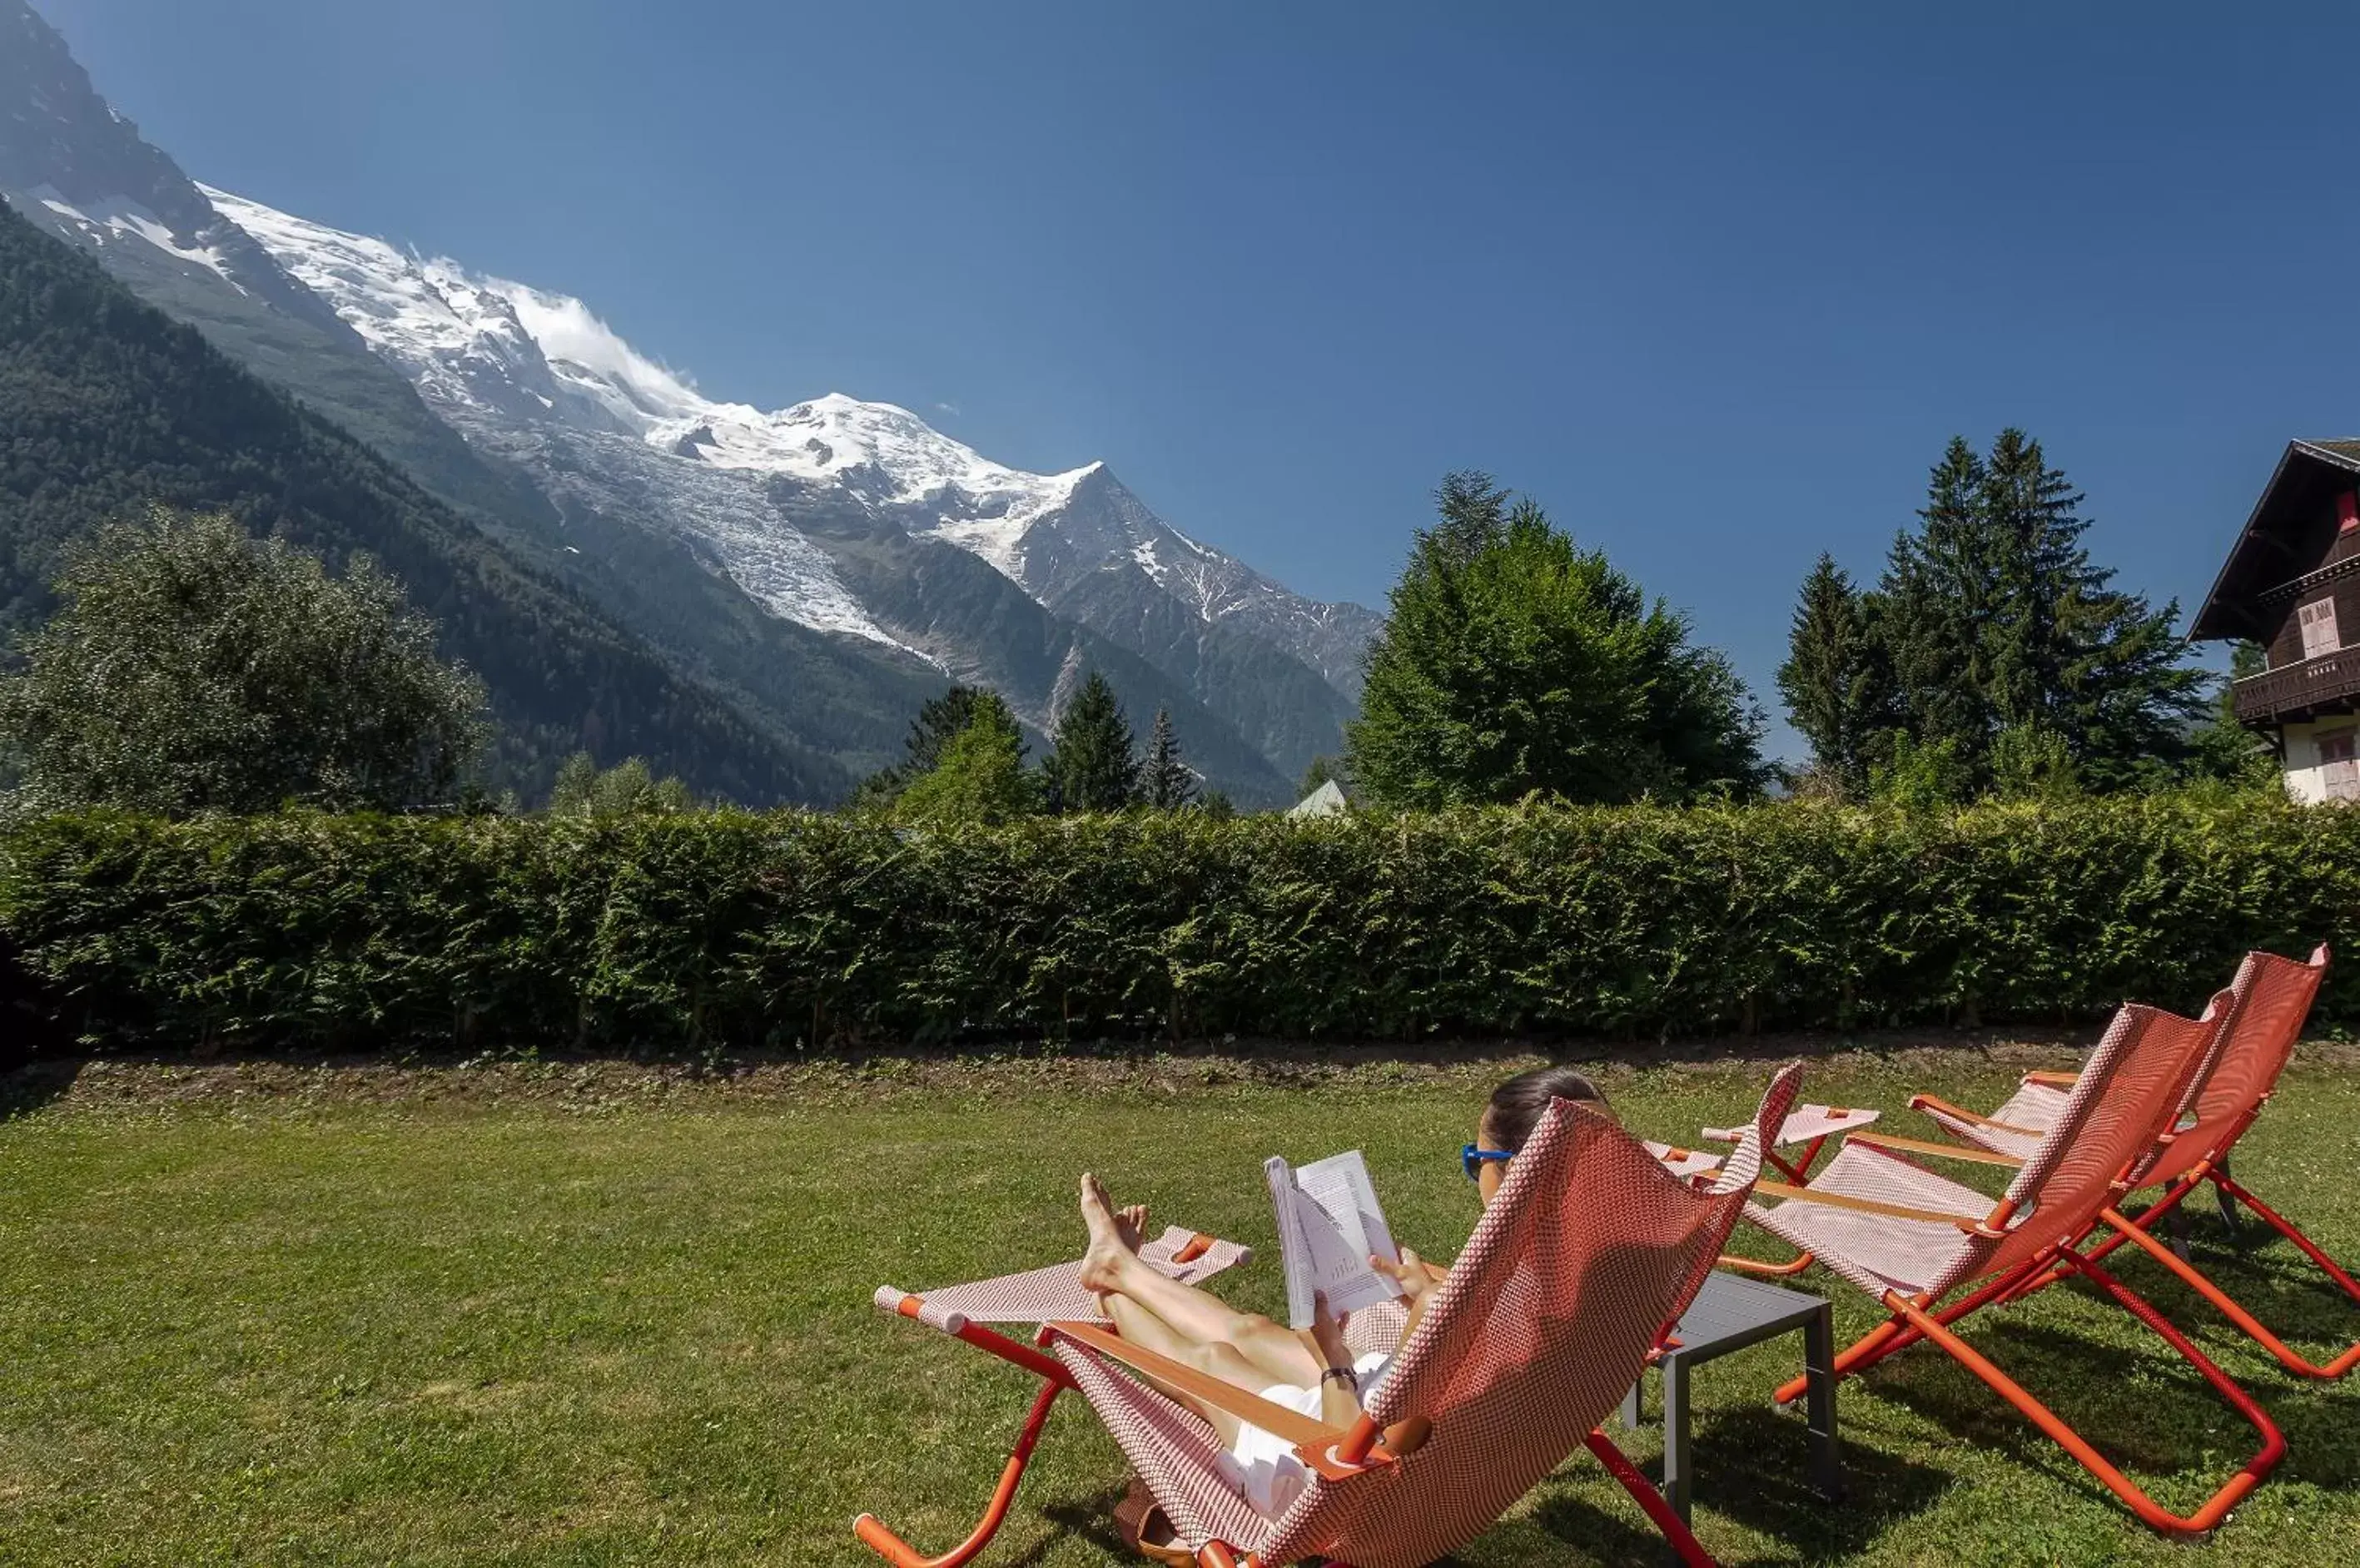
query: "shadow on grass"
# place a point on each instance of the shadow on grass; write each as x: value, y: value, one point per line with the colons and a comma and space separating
x: 1090, y: 1519
x: 26, y: 1089
x: 1753, y: 1465
x: 2261, y: 1271
x: 2139, y: 1404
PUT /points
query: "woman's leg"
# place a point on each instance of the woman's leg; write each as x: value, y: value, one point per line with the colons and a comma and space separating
x: 1148, y: 1332
x: 1112, y: 1267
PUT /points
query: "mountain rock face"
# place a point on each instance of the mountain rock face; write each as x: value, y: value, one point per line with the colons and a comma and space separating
x: 539, y: 379
x: 82, y: 171
x: 825, y: 565
x: 106, y: 405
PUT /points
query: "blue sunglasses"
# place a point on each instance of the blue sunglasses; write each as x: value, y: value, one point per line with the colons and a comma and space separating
x: 1472, y: 1159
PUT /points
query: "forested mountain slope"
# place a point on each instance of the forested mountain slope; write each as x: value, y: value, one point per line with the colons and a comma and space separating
x: 106, y: 405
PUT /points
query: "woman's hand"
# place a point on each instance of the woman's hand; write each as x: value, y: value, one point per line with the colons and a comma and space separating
x: 1339, y: 1398
x: 1325, y: 1337
x: 1414, y: 1275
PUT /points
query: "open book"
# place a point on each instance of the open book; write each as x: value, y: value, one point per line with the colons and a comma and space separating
x: 1328, y: 1223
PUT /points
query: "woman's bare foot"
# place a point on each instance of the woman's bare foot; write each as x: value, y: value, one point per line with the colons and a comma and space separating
x: 1112, y: 1242
x: 1130, y: 1224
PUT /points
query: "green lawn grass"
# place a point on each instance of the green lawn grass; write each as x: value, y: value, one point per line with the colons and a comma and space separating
x: 469, y: 1329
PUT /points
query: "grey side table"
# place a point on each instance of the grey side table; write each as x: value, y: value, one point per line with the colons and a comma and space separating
x: 1731, y: 1312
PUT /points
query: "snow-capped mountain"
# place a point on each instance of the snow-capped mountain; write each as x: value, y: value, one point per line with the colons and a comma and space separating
x: 493, y: 355
x: 825, y: 565
x: 83, y: 173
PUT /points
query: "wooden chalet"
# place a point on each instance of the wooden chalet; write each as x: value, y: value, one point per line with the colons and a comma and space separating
x: 2291, y: 585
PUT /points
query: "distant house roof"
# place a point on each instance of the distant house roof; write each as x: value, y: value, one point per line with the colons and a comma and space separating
x: 2288, y: 535
x: 1327, y: 801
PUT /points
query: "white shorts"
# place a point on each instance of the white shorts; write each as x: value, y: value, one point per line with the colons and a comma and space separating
x: 1263, y: 1466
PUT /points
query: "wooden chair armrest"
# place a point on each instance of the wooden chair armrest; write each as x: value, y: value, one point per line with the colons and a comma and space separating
x: 1939, y: 1151
x: 2054, y: 1080
x: 1279, y: 1421
x: 1930, y: 1103
x: 1861, y: 1206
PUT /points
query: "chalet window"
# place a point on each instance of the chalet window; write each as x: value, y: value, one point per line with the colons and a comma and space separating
x: 2318, y: 621
x: 2338, y: 773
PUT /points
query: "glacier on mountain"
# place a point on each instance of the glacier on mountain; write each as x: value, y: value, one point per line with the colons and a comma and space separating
x: 539, y: 377
x: 492, y: 346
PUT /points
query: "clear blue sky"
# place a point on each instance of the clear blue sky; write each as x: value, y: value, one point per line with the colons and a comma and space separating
x: 1714, y: 285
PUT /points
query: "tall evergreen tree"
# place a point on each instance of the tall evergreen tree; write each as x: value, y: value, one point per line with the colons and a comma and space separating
x: 1994, y: 620
x: 942, y: 718
x: 1514, y: 661
x: 1935, y: 592
x: 1472, y: 512
x: 1835, y: 681
x: 1164, y: 783
x: 1093, y: 767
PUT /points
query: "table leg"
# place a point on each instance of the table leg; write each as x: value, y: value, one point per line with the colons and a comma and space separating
x: 1630, y: 1412
x: 1675, y: 1434
x: 1819, y: 1368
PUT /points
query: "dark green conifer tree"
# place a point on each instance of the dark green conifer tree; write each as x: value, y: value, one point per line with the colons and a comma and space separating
x: 1995, y: 621
x: 1164, y: 783
x: 1938, y: 589
x: 1094, y: 766
x: 940, y: 721
x: 1837, y: 689
x: 1514, y: 661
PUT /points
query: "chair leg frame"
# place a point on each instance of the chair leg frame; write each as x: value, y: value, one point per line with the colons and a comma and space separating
x: 1798, y: 1172
x: 1915, y: 1318
x: 1650, y: 1501
x: 2139, y: 1231
x: 1054, y: 1380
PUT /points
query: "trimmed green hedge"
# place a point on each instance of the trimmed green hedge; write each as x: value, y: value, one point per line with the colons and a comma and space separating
x: 732, y: 928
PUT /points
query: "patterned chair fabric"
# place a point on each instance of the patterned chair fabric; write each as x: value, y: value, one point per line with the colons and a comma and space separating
x: 2270, y: 1001
x: 1589, y: 1253
x: 2139, y: 1072
x: 1056, y: 1294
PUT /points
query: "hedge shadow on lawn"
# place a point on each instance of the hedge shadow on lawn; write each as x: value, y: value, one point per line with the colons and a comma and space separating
x: 26, y: 1089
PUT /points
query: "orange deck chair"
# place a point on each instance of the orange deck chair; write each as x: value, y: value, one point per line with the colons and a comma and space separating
x: 2270, y: 1001
x: 1908, y: 1237
x: 1807, y: 1127
x: 1590, y: 1251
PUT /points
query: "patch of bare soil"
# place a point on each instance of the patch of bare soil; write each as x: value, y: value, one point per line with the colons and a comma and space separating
x: 119, y: 1083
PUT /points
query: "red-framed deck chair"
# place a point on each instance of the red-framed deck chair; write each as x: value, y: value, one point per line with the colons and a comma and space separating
x: 1808, y: 1126
x: 1910, y: 1238
x: 2270, y: 1000
x: 1590, y: 1251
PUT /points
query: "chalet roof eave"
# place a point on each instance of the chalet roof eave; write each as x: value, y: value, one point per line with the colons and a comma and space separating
x: 2207, y: 626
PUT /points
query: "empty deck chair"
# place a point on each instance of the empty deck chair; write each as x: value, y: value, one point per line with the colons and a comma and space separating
x: 1589, y: 1252
x: 1908, y: 1237
x: 2270, y: 1001
x: 1805, y: 1127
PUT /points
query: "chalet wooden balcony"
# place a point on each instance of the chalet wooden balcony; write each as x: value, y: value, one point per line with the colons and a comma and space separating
x: 2330, y: 683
